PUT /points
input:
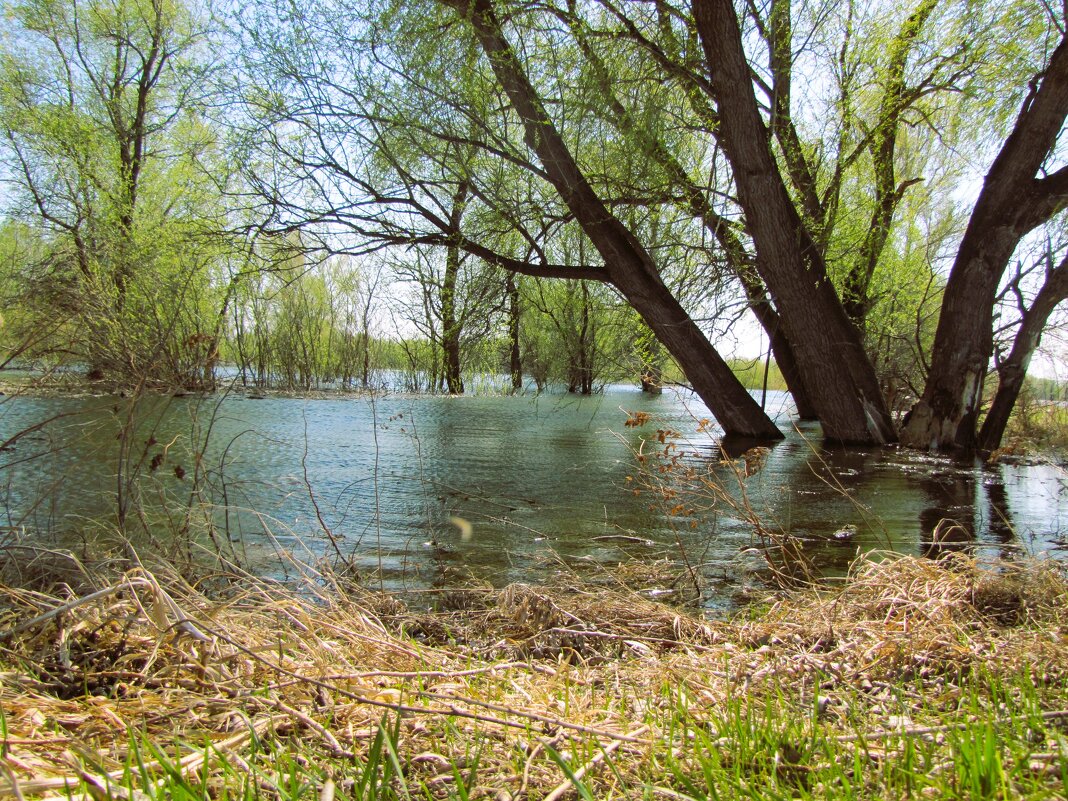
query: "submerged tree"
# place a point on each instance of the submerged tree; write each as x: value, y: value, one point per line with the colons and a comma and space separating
x: 1022, y: 191
x: 453, y: 305
x: 410, y: 103
x: 838, y: 372
x: 807, y: 187
x: 104, y: 141
x: 1012, y: 366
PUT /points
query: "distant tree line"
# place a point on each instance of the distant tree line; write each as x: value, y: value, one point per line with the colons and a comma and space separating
x: 304, y: 326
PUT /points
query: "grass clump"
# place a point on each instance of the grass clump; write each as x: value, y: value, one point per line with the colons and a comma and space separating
x: 913, y: 677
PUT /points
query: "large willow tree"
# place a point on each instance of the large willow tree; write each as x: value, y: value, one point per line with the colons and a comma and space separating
x: 357, y: 130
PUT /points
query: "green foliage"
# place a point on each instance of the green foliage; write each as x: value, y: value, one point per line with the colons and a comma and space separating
x: 575, y: 334
x: 101, y: 102
x: 362, y: 127
x: 297, y: 325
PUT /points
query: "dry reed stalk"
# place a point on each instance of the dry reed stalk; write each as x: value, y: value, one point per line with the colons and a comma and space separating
x: 151, y: 655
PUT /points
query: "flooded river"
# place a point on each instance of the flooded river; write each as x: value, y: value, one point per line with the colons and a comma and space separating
x: 544, y: 481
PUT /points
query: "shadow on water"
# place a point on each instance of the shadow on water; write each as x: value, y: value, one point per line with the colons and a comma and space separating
x: 969, y: 503
x: 545, y: 482
x: 949, y: 523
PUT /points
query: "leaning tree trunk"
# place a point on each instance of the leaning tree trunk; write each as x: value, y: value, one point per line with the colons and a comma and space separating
x: 828, y: 348
x: 1013, y: 369
x: 780, y: 347
x: 1012, y: 203
x: 946, y: 414
x: 629, y: 266
x: 696, y: 199
x: 710, y: 375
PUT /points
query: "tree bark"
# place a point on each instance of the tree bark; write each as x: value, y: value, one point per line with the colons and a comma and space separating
x: 888, y: 193
x: 830, y: 354
x: 1013, y: 370
x: 781, y: 349
x: 515, y: 362
x: 630, y: 267
x: 1012, y: 203
x: 451, y: 327
x: 450, y: 348
x: 587, y: 342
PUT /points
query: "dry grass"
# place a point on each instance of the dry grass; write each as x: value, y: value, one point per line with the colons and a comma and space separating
x: 516, y: 681
x: 898, y: 617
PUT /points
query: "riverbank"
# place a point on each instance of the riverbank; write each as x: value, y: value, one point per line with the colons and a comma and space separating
x: 934, y: 679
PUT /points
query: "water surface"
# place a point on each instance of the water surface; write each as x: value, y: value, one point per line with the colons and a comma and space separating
x: 546, y: 482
